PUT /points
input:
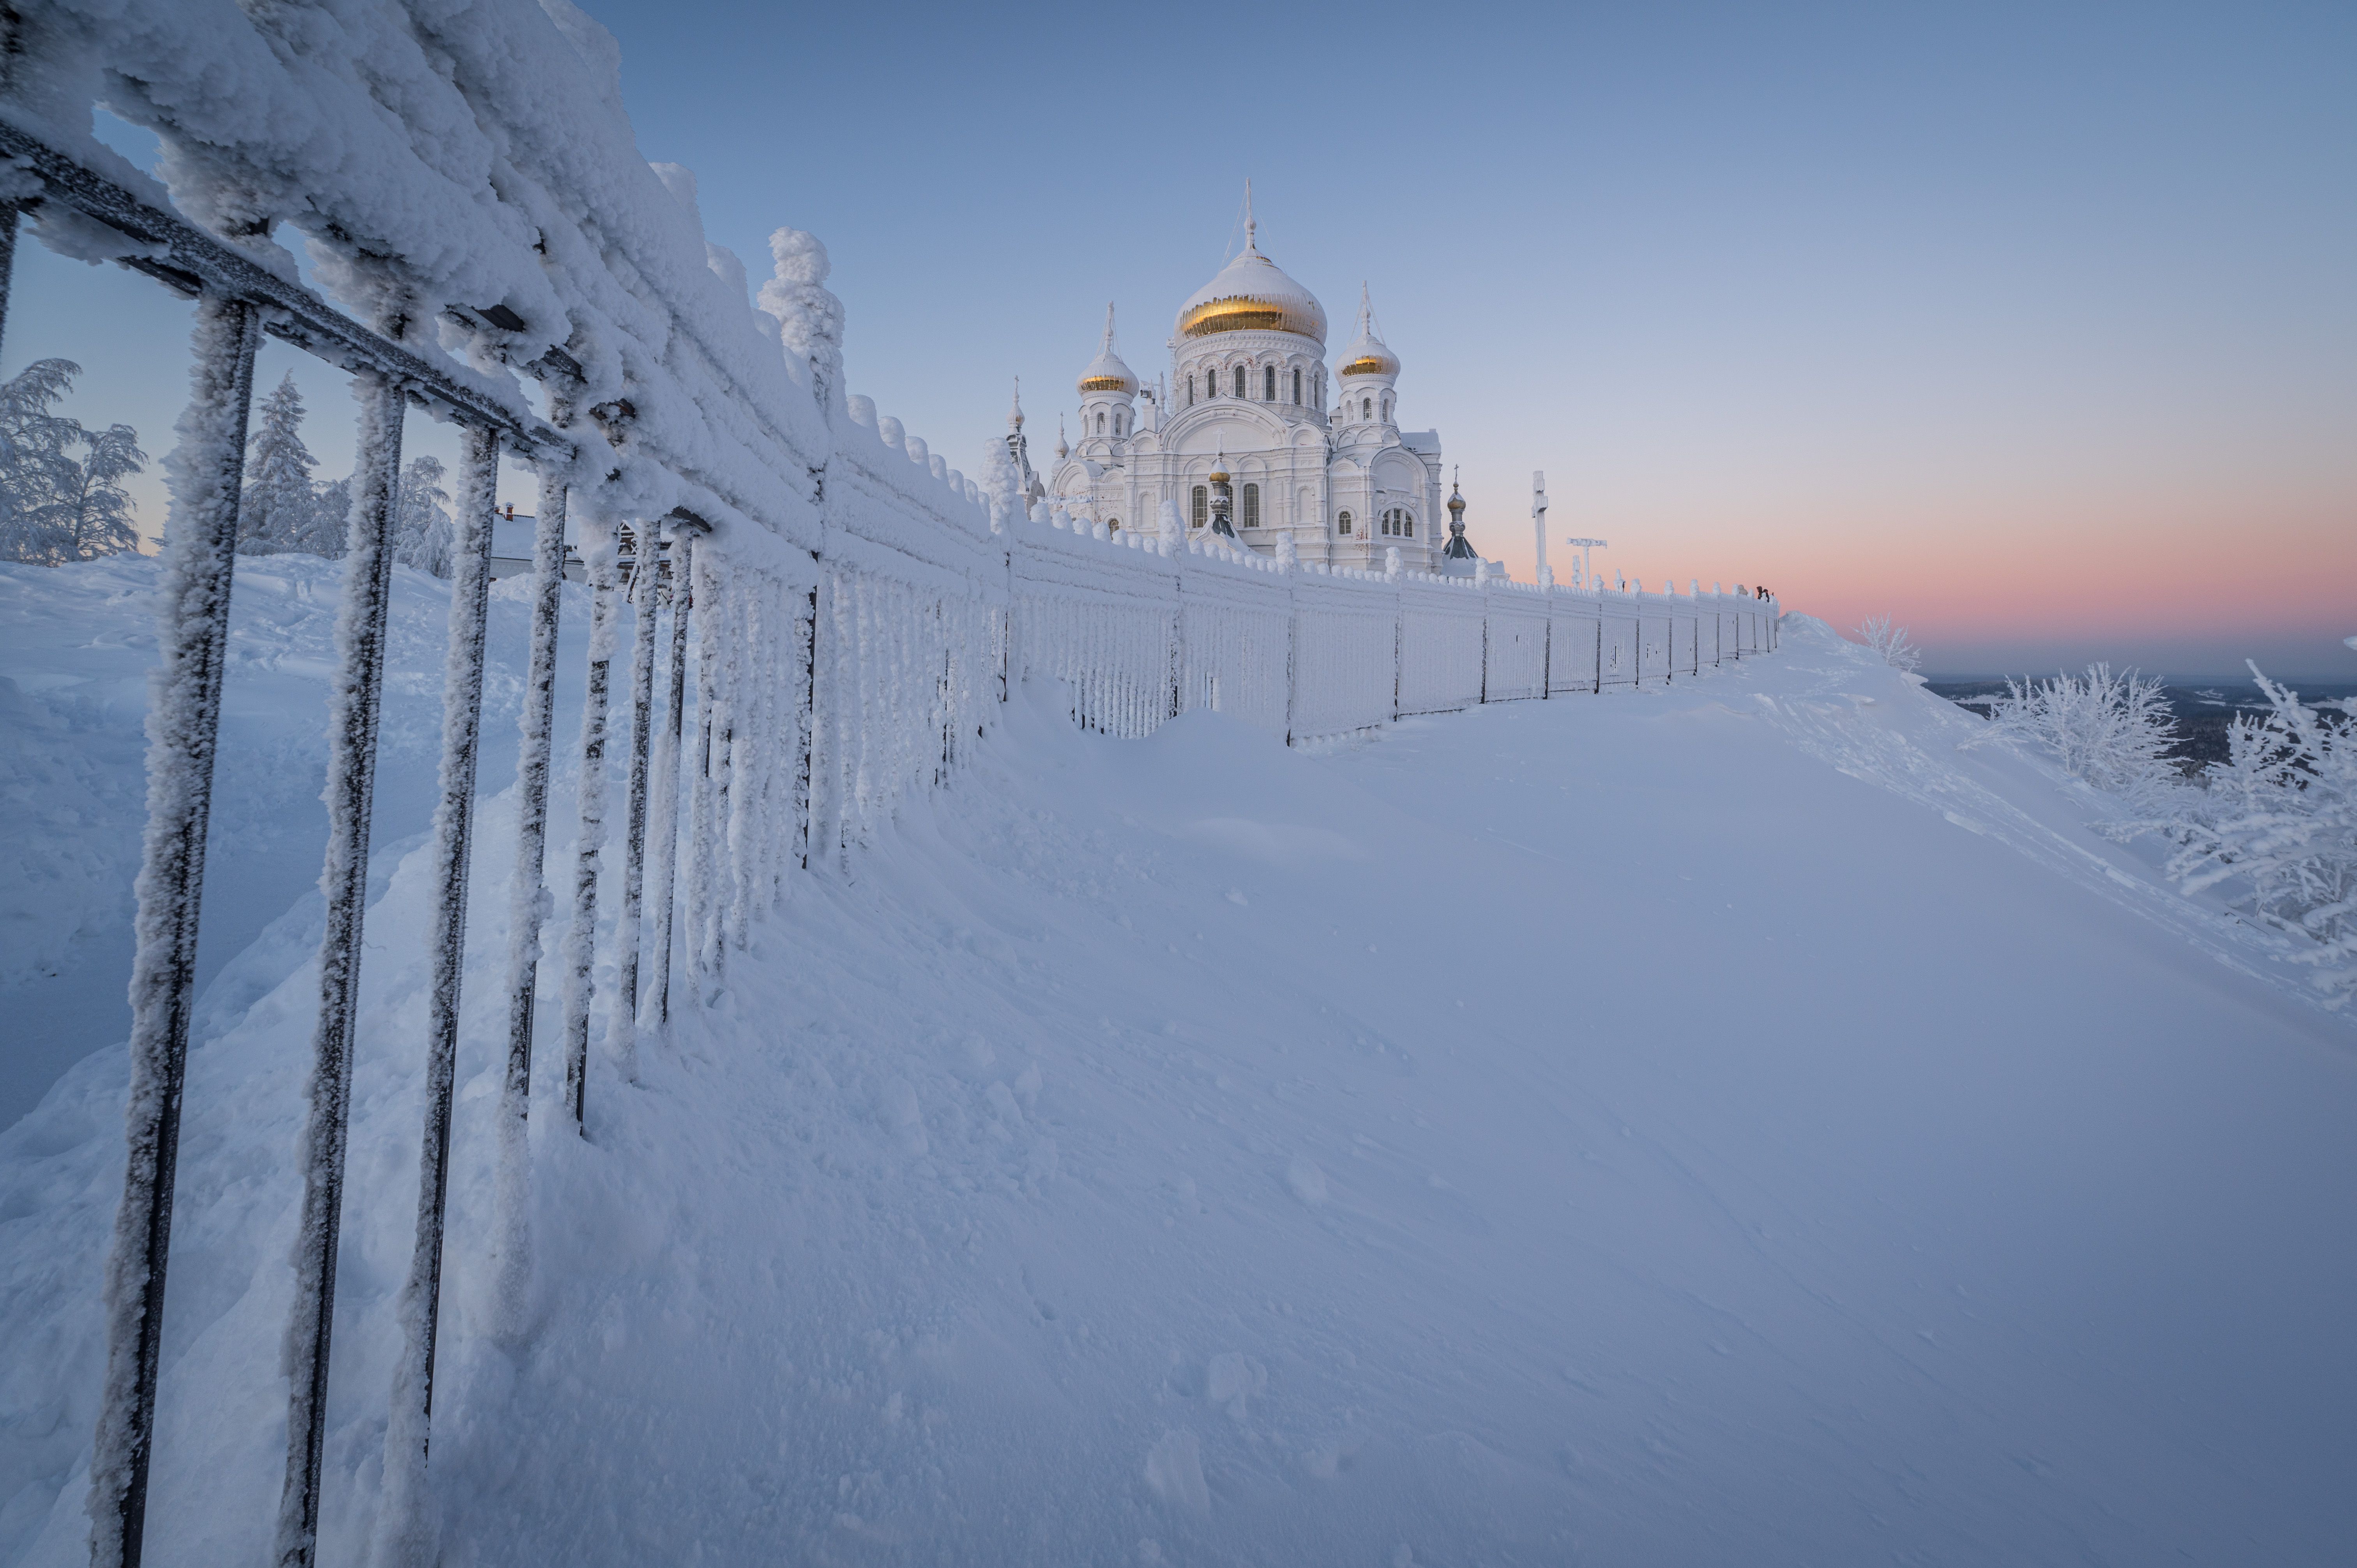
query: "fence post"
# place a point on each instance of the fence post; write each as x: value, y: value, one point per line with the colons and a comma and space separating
x: 407, y: 1524
x: 192, y: 604
x: 622, y: 1022
x: 527, y: 899
x: 577, y: 958
x: 664, y: 803
x: 352, y: 707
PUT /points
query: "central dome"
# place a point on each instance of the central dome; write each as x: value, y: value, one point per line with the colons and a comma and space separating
x: 1252, y: 294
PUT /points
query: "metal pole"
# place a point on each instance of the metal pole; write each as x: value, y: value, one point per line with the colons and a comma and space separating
x: 352, y: 707
x: 622, y: 1023
x: 579, y: 952
x: 7, y: 261
x: 664, y: 804
x: 183, y: 731
x: 407, y: 1526
x: 512, y: 1221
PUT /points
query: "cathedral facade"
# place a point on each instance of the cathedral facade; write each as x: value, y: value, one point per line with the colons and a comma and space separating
x: 1247, y: 433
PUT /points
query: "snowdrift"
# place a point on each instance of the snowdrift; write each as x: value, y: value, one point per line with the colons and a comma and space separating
x: 1720, y: 1122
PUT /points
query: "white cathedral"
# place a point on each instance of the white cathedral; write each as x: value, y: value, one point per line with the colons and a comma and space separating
x: 1245, y: 438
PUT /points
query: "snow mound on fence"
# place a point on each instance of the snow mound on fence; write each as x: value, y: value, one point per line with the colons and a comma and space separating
x: 1678, y: 1125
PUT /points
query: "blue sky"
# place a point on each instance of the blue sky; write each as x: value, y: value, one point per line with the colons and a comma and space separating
x: 2032, y: 326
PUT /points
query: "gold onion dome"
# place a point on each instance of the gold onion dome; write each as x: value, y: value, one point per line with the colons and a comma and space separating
x: 1252, y: 294
x: 1106, y: 374
x: 1367, y: 356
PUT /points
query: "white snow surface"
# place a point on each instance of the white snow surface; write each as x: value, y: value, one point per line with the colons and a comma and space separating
x: 1714, y: 1123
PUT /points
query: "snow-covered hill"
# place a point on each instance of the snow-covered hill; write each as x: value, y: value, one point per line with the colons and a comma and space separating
x: 1711, y: 1124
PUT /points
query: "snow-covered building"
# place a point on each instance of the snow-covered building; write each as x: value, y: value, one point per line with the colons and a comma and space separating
x: 1246, y: 433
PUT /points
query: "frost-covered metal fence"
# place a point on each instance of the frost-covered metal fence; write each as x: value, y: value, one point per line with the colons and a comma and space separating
x: 1143, y: 630
x: 821, y: 615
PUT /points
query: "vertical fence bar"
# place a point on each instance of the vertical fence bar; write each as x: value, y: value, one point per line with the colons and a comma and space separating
x: 622, y: 1022
x: 183, y: 731
x: 406, y: 1529
x: 579, y: 955
x: 664, y: 801
x: 352, y: 707
x: 527, y: 901
x: 7, y: 261
x: 712, y: 617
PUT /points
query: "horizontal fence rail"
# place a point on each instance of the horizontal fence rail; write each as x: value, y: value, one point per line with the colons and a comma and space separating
x: 1305, y: 651
x: 799, y: 617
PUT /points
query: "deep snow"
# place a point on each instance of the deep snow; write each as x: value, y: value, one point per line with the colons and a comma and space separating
x: 1714, y: 1123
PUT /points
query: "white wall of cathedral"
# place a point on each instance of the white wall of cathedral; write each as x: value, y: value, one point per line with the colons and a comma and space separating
x: 1276, y: 369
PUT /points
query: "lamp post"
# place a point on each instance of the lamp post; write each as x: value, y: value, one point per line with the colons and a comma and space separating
x: 1584, y: 546
x: 1538, y: 520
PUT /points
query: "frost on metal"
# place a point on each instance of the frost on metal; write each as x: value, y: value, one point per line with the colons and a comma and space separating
x: 353, y: 704
x: 183, y: 727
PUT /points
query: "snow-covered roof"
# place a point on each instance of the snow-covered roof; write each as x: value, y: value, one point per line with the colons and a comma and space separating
x: 1252, y: 294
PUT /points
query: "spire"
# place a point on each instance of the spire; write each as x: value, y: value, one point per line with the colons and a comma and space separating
x: 1062, y: 450
x: 1249, y: 224
x: 1015, y: 414
x: 1107, y: 347
x: 1366, y: 311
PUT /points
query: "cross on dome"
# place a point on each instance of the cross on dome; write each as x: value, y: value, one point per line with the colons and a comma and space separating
x: 1252, y: 294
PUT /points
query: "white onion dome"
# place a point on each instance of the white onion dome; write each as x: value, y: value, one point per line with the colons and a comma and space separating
x: 1367, y: 355
x: 1252, y: 294
x: 1107, y: 372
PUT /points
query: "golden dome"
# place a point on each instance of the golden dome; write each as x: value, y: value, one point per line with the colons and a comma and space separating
x: 1252, y: 294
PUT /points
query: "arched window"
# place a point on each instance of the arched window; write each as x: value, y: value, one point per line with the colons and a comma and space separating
x: 1190, y: 390
x: 1268, y: 384
x: 1387, y: 407
x: 1252, y: 506
x: 1390, y: 523
x: 1239, y: 381
x: 1344, y: 523
x: 1407, y: 524
x: 1113, y: 525
x: 1120, y: 422
x: 1296, y: 386
x: 1366, y: 408
x: 1202, y: 506
x: 1100, y: 424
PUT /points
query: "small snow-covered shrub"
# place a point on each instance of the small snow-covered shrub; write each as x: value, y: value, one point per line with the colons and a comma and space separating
x: 2114, y: 731
x: 2280, y: 818
x: 1889, y: 644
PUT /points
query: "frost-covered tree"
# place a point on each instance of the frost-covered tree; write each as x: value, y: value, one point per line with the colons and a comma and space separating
x: 1002, y: 486
x: 422, y: 535
x: 2114, y: 731
x: 2278, y: 820
x: 1889, y: 644
x: 279, y: 510
x: 54, y: 507
x: 809, y: 316
x: 38, y: 476
x: 101, y: 520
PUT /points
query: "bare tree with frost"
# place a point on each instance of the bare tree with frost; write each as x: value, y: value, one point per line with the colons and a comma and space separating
x: 2114, y: 731
x: 102, y: 520
x: 280, y: 509
x: 55, y: 509
x: 422, y: 534
x: 1889, y: 644
x: 2277, y: 822
x: 38, y: 473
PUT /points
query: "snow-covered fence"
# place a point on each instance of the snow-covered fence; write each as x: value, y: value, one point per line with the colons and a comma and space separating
x: 1304, y: 652
x: 822, y: 612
